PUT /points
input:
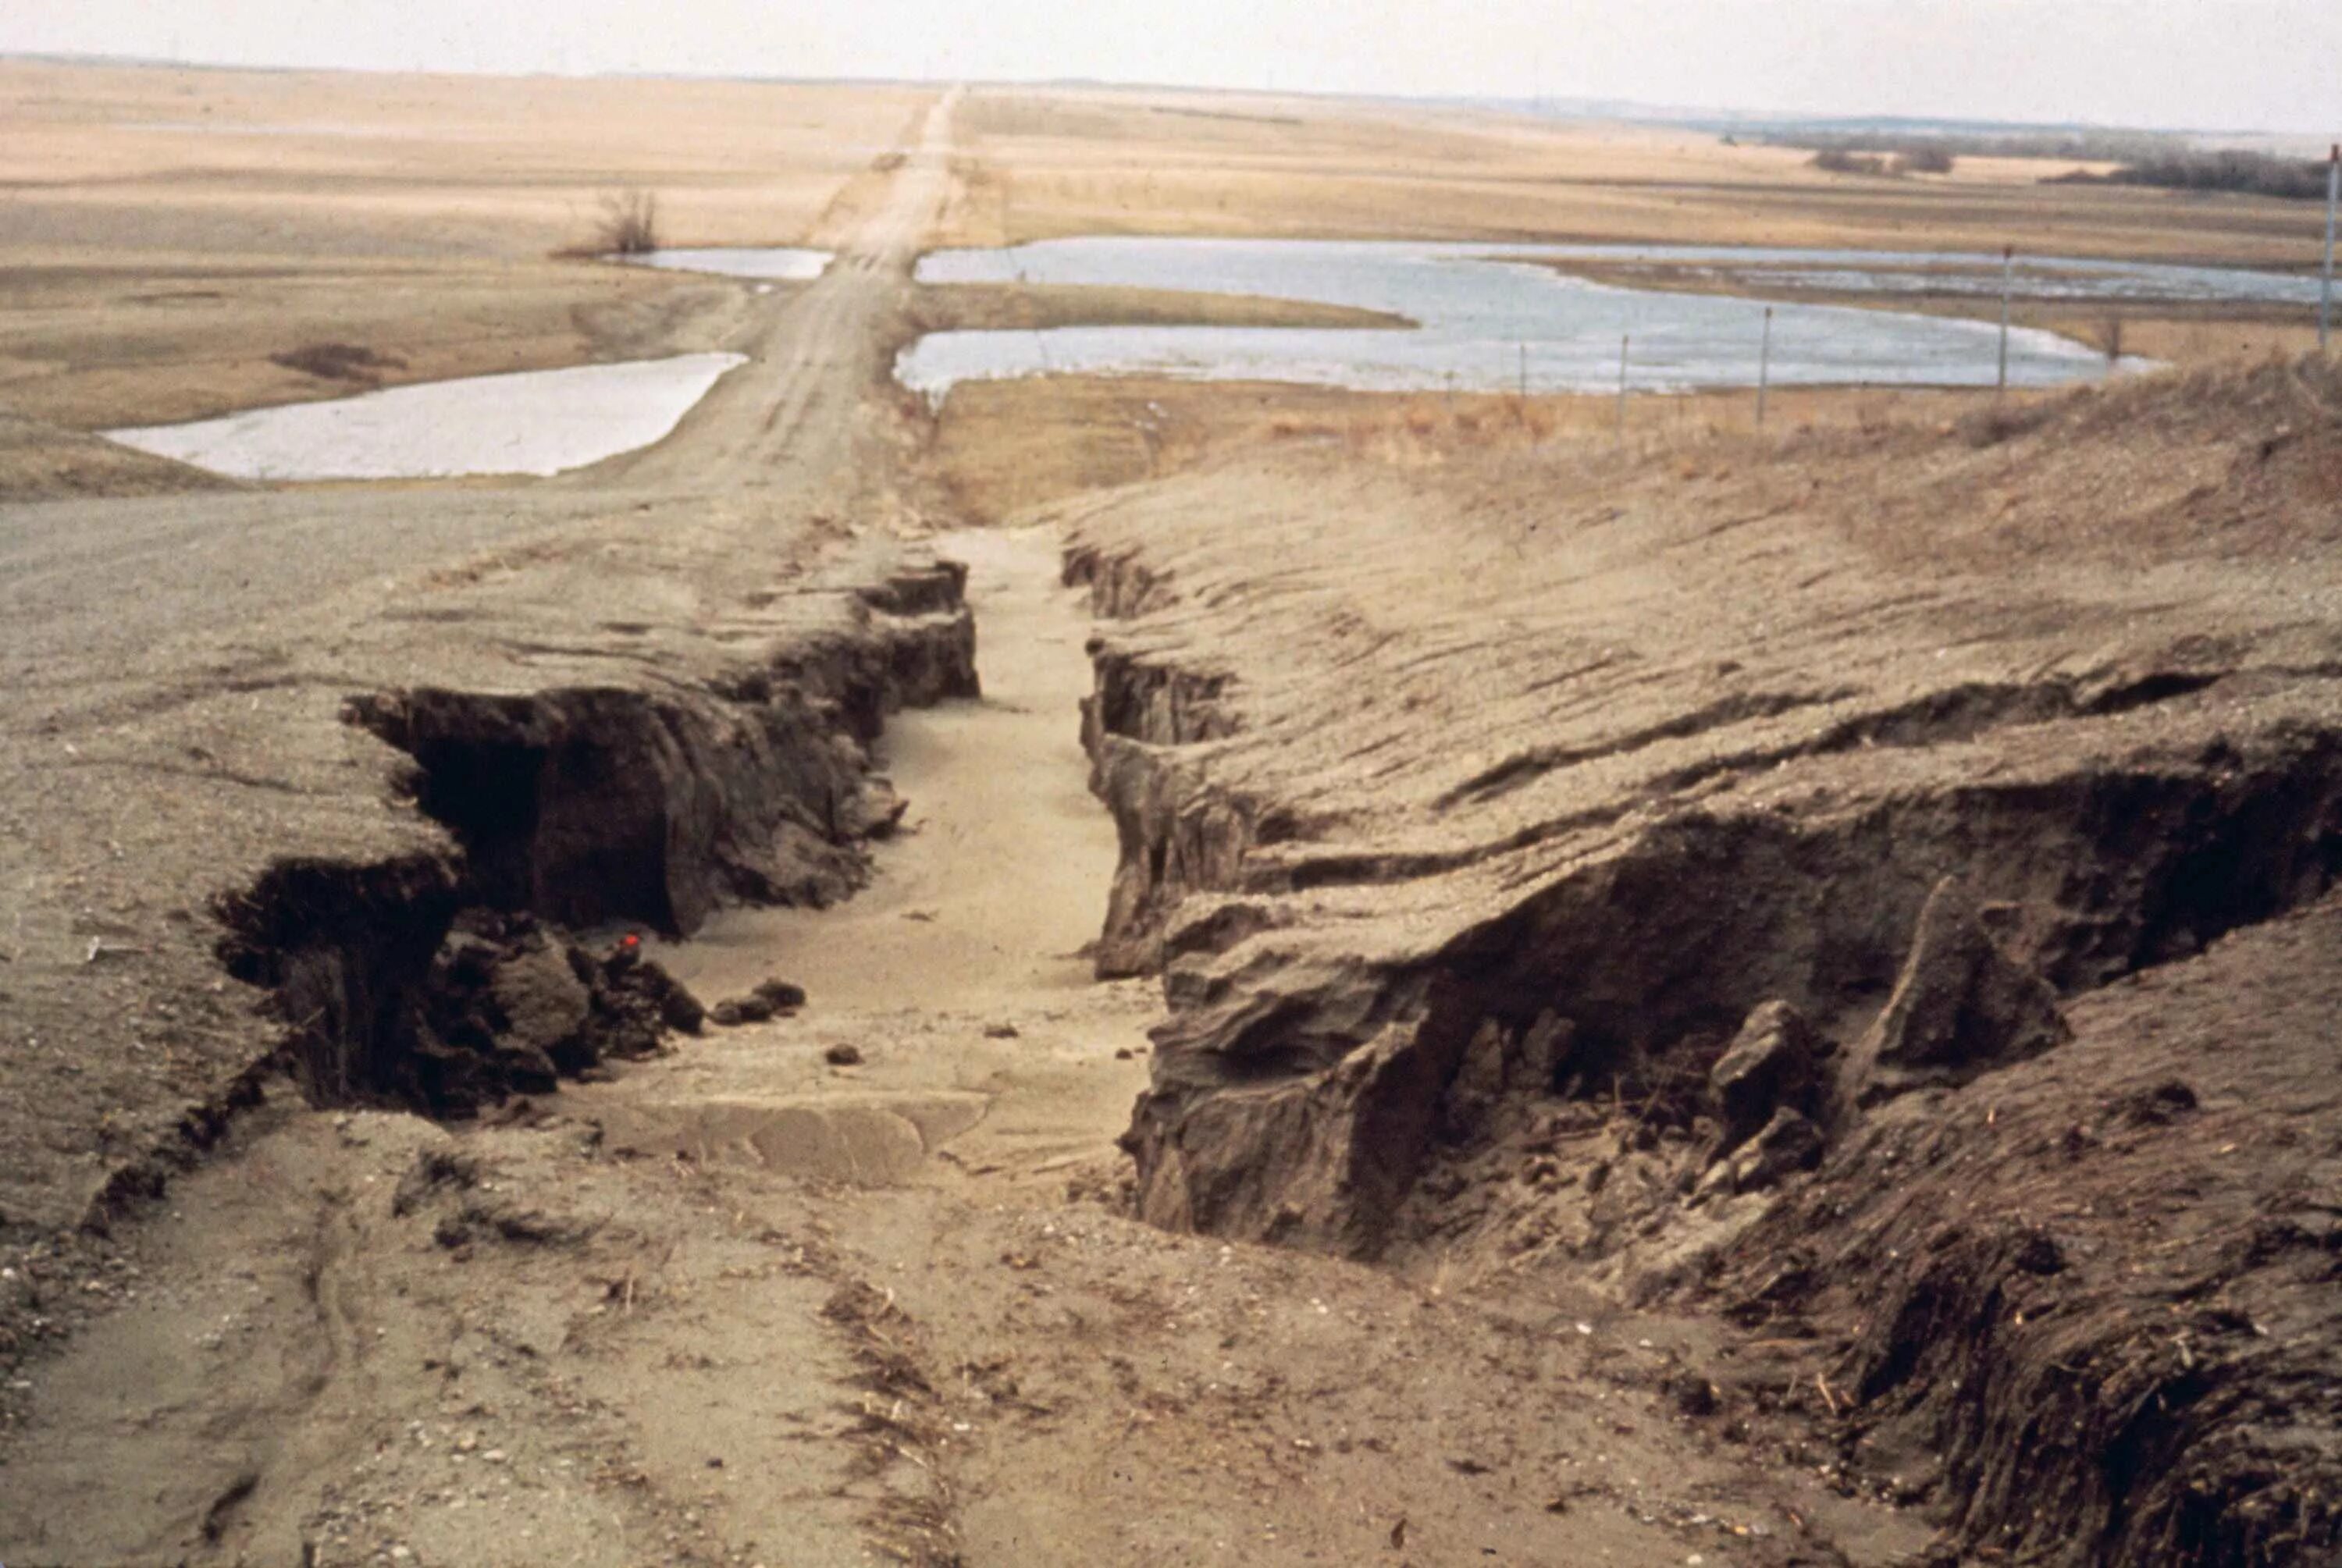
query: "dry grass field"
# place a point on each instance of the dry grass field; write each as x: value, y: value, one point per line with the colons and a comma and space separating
x: 178, y: 238
x: 171, y: 233
x: 1039, y: 165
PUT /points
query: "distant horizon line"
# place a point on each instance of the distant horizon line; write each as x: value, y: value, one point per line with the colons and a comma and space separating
x: 1570, y: 104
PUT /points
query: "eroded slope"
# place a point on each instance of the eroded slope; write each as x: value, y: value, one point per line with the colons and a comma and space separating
x: 1474, y: 810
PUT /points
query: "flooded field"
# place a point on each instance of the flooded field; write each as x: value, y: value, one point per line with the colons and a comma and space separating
x: 536, y: 422
x: 1496, y: 318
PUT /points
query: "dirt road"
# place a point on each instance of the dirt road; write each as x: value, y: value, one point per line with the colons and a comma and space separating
x: 744, y: 1305
x: 1745, y: 932
x: 843, y: 1285
x: 176, y: 665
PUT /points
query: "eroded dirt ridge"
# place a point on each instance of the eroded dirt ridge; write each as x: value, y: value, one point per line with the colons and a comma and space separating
x: 1779, y: 1005
x: 441, y: 983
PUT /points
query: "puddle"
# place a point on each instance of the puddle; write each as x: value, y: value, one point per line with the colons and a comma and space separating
x: 1490, y: 321
x: 780, y: 264
x: 538, y: 422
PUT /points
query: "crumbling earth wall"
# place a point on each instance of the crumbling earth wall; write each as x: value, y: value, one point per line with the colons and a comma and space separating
x: 1650, y: 878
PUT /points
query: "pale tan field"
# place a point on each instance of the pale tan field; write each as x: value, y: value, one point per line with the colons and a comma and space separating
x: 1064, y: 163
x: 175, y: 234
x: 170, y: 231
x: 321, y: 164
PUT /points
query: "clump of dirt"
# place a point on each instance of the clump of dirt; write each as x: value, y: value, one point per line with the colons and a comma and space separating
x: 394, y: 997
x: 771, y: 999
x: 1960, y: 1008
x: 508, y: 1006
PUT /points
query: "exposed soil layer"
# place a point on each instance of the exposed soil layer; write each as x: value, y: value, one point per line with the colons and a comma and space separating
x: 1546, y: 881
x: 2101, y: 1284
x: 428, y: 982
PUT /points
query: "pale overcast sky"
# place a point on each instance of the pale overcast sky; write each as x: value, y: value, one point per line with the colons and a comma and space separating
x: 2268, y: 65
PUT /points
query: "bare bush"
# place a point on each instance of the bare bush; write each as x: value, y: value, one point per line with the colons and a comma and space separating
x: 2247, y: 173
x: 2073, y: 146
x: 1925, y: 160
x: 1844, y: 161
x: 1916, y: 160
x: 629, y: 223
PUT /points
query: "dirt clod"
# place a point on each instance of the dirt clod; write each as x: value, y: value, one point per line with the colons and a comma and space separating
x: 1773, y: 1063
x: 1960, y: 1007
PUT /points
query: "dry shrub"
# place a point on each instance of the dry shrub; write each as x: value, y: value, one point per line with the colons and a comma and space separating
x: 1922, y: 160
x: 1843, y: 161
x: 1423, y: 429
x: 628, y: 225
x: 2227, y: 169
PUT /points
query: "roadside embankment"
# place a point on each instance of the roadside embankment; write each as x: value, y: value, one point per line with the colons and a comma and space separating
x: 1653, y: 868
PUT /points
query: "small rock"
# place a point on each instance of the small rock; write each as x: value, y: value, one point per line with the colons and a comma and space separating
x: 1770, y: 1063
x: 781, y: 995
x: 843, y: 1055
x: 750, y: 1009
x: 2158, y: 1106
x: 1789, y: 1142
x: 1008, y: 1032
x: 1960, y: 1007
x: 1694, y: 1394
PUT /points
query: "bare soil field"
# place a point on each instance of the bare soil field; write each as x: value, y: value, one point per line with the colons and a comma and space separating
x: 1128, y: 971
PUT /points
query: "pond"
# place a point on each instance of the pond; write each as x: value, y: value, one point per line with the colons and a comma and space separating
x: 773, y: 263
x: 539, y: 422
x: 1495, y: 316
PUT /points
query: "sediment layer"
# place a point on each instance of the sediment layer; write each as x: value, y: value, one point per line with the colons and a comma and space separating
x: 579, y: 808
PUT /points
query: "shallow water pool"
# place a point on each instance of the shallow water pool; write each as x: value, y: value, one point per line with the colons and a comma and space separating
x: 777, y: 264
x: 1493, y: 316
x: 538, y: 422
